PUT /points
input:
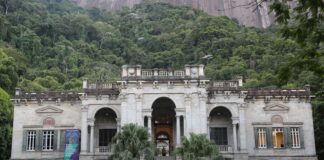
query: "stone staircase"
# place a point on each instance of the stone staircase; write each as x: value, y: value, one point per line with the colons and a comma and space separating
x: 164, y: 158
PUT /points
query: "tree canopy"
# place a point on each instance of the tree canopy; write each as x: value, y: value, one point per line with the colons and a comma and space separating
x: 54, y: 45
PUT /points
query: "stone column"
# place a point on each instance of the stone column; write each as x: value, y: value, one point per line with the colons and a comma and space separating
x: 208, y: 129
x: 123, y: 109
x: 203, y: 112
x: 91, y: 137
x: 242, y: 131
x: 184, y: 126
x: 178, y: 130
x: 118, y: 124
x: 149, y: 125
x: 234, y: 137
x: 84, y: 129
x: 188, y: 113
x: 139, y: 116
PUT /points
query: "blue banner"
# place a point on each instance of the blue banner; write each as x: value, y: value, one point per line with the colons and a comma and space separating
x: 72, y: 144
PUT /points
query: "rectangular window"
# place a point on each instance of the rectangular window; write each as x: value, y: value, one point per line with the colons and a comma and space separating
x: 48, y: 140
x: 219, y: 135
x: 31, y: 140
x: 295, y: 137
x: 262, y: 138
x: 278, y: 138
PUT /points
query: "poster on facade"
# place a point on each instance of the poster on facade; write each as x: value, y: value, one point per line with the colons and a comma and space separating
x: 72, y: 144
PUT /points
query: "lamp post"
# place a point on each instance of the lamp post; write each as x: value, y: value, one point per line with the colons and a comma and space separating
x: 207, y: 58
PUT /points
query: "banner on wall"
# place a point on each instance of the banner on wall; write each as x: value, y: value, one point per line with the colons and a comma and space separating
x: 72, y: 144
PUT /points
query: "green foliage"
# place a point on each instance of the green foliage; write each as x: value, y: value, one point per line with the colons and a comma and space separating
x: 60, y: 43
x: 132, y: 142
x: 8, y: 72
x: 198, y: 146
x: 6, y: 113
x: 53, y: 44
x: 304, y: 23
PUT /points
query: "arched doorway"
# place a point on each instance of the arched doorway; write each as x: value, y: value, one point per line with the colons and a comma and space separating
x: 221, y: 128
x: 163, y: 121
x: 105, y: 128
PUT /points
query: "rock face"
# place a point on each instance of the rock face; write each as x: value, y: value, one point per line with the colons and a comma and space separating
x: 245, y: 11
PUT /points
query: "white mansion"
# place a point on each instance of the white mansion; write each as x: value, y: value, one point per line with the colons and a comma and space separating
x: 245, y: 123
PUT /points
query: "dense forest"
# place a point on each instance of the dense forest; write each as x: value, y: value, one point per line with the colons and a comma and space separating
x: 54, y: 45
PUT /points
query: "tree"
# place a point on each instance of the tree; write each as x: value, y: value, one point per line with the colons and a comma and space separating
x: 8, y: 72
x: 198, y: 146
x: 5, y: 124
x: 304, y: 23
x: 132, y: 143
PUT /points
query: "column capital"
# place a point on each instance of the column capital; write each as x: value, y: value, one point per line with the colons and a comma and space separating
x: 179, y: 115
x: 91, y: 121
x: 235, y: 120
x: 242, y: 105
x: 84, y: 108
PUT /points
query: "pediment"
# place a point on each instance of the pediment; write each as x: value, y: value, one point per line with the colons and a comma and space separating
x: 276, y: 107
x: 49, y: 109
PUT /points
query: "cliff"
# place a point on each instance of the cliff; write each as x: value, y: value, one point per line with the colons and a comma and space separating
x: 245, y: 11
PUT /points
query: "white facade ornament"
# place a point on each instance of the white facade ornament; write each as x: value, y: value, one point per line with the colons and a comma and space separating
x: 155, y: 85
x: 276, y: 107
x: 49, y: 109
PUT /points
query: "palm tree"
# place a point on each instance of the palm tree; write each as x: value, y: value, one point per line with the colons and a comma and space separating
x: 198, y: 146
x: 132, y: 143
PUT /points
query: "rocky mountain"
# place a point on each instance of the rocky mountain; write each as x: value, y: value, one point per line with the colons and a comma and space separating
x: 247, y: 12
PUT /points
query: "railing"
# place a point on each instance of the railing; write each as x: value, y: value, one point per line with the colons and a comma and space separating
x: 103, y: 149
x: 225, y: 84
x: 101, y: 85
x: 224, y: 148
x: 101, y: 88
x: 47, y: 95
x: 162, y: 74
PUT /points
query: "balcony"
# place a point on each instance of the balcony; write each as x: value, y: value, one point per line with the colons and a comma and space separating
x: 103, y: 149
x: 135, y: 72
x: 225, y: 148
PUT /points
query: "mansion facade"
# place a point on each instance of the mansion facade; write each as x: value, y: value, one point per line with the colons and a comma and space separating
x: 246, y: 124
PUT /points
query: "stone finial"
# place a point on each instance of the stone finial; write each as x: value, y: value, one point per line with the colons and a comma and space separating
x: 85, y: 84
x: 18, y: 91
x: 239, y: 80
x: 131, y: 71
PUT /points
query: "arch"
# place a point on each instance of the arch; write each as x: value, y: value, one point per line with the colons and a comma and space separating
x: 95, y: 111
x: 220, y: 110
x: 163, y: 104
x: 157, y: 97
x: 164, y: 120
x: 105, y: 110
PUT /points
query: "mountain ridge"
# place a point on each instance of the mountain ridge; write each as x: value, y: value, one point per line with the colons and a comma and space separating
x: 247, y: 12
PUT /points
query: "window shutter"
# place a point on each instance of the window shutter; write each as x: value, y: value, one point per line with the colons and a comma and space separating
x: 39, y: 140
x: 287, y: 137
x: 256, y: 137
x: 269, y: 138
x: 301, y: 136
x: 24, y: 140
x: 55, y: 140
x: 62, y: 141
